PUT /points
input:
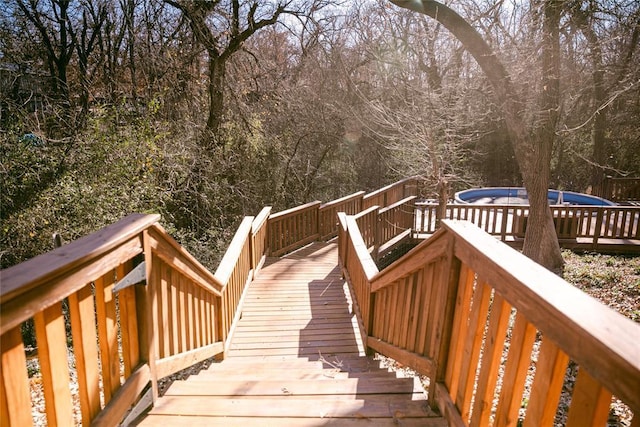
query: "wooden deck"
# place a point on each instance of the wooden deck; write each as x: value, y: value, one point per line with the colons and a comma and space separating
x: 296, y: 359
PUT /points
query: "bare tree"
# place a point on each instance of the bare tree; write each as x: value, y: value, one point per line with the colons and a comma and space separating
x: 86, y: 41
x: 587, y: 17
x: 55, y: 30
x: 533, y: 149
x: 222, y: 28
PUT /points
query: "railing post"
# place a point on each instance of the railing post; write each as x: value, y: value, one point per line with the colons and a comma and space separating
x: 342, y: 239
x: 316, y: 222
x: 503, y: 226
x: 377, y: 238
x: 598, y: 227
x: 146, y: 304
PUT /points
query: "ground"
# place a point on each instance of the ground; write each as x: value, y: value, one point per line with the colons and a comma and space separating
x: 614, y: 280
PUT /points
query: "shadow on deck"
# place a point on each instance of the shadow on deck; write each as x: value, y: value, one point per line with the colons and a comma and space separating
x: 296, y: 359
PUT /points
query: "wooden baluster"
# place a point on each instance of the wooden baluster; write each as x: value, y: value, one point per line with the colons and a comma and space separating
x: 189, y: 313
x: 405, y: 309
x: 83, y: 329
x: 393, y: 305
x: 426, y: 326
x: 416, y: 310
x: 547, y: 385
x: 196, y: 313
x: 128, y: 303
x: 180, y: 325
x: 175, y: 313
x: 54, y: 365
x: 590, y: 402
x: 381, y: 326
x: 164, y: 317
x: 515, y: 374
x: 459, y: 329
x: 15, y: 396
x: 128, y: 324
x: 108, y: 334
x: 492, y: 353
x: 471, y: 349
x: 203, y: 318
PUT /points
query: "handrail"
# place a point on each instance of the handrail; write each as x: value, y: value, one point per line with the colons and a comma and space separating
x: 430, y: 310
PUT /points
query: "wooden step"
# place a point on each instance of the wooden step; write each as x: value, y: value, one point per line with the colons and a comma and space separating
x: 344, y: 364
x: 292, y: 407
x: 225, y: 421
x: 286, y: 374
x: 295, y: 387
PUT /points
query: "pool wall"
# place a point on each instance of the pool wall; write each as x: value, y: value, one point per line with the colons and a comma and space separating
x: 555, y: 197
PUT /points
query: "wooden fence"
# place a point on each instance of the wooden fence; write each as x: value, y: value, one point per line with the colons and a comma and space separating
x: 480, y: 320
x: 597, y: 228
x: 620, y: 189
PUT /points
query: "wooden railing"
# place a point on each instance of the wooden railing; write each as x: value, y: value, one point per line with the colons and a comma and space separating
x: 392, y: 193
x: 395, y: 219
x: 293, y: 228
x: 593, y: 226
x: 471, y: 313
x: 380, y: 226
x: 620, y: 189
x: 328, y: 213
x: 125, y: 334
x: 368, y: 222
x: 130, y: 306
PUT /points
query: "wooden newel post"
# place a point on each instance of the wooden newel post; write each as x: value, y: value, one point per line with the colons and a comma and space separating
x: 377, y: 238
x: 146, y: 304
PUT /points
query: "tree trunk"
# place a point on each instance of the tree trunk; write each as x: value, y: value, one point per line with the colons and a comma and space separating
x: 217, y: 72
x: 598, y: 137
x: 532, y: 154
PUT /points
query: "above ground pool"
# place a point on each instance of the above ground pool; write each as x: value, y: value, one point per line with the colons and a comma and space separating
x: 518, y: 196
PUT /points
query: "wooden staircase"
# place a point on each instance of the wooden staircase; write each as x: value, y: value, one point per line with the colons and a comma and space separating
x: 296, y: 359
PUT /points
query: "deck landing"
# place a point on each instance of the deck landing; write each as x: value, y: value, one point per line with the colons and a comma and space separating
x: 296, y: 359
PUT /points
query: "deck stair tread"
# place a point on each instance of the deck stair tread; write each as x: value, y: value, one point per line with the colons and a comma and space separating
x: 296, y: 358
